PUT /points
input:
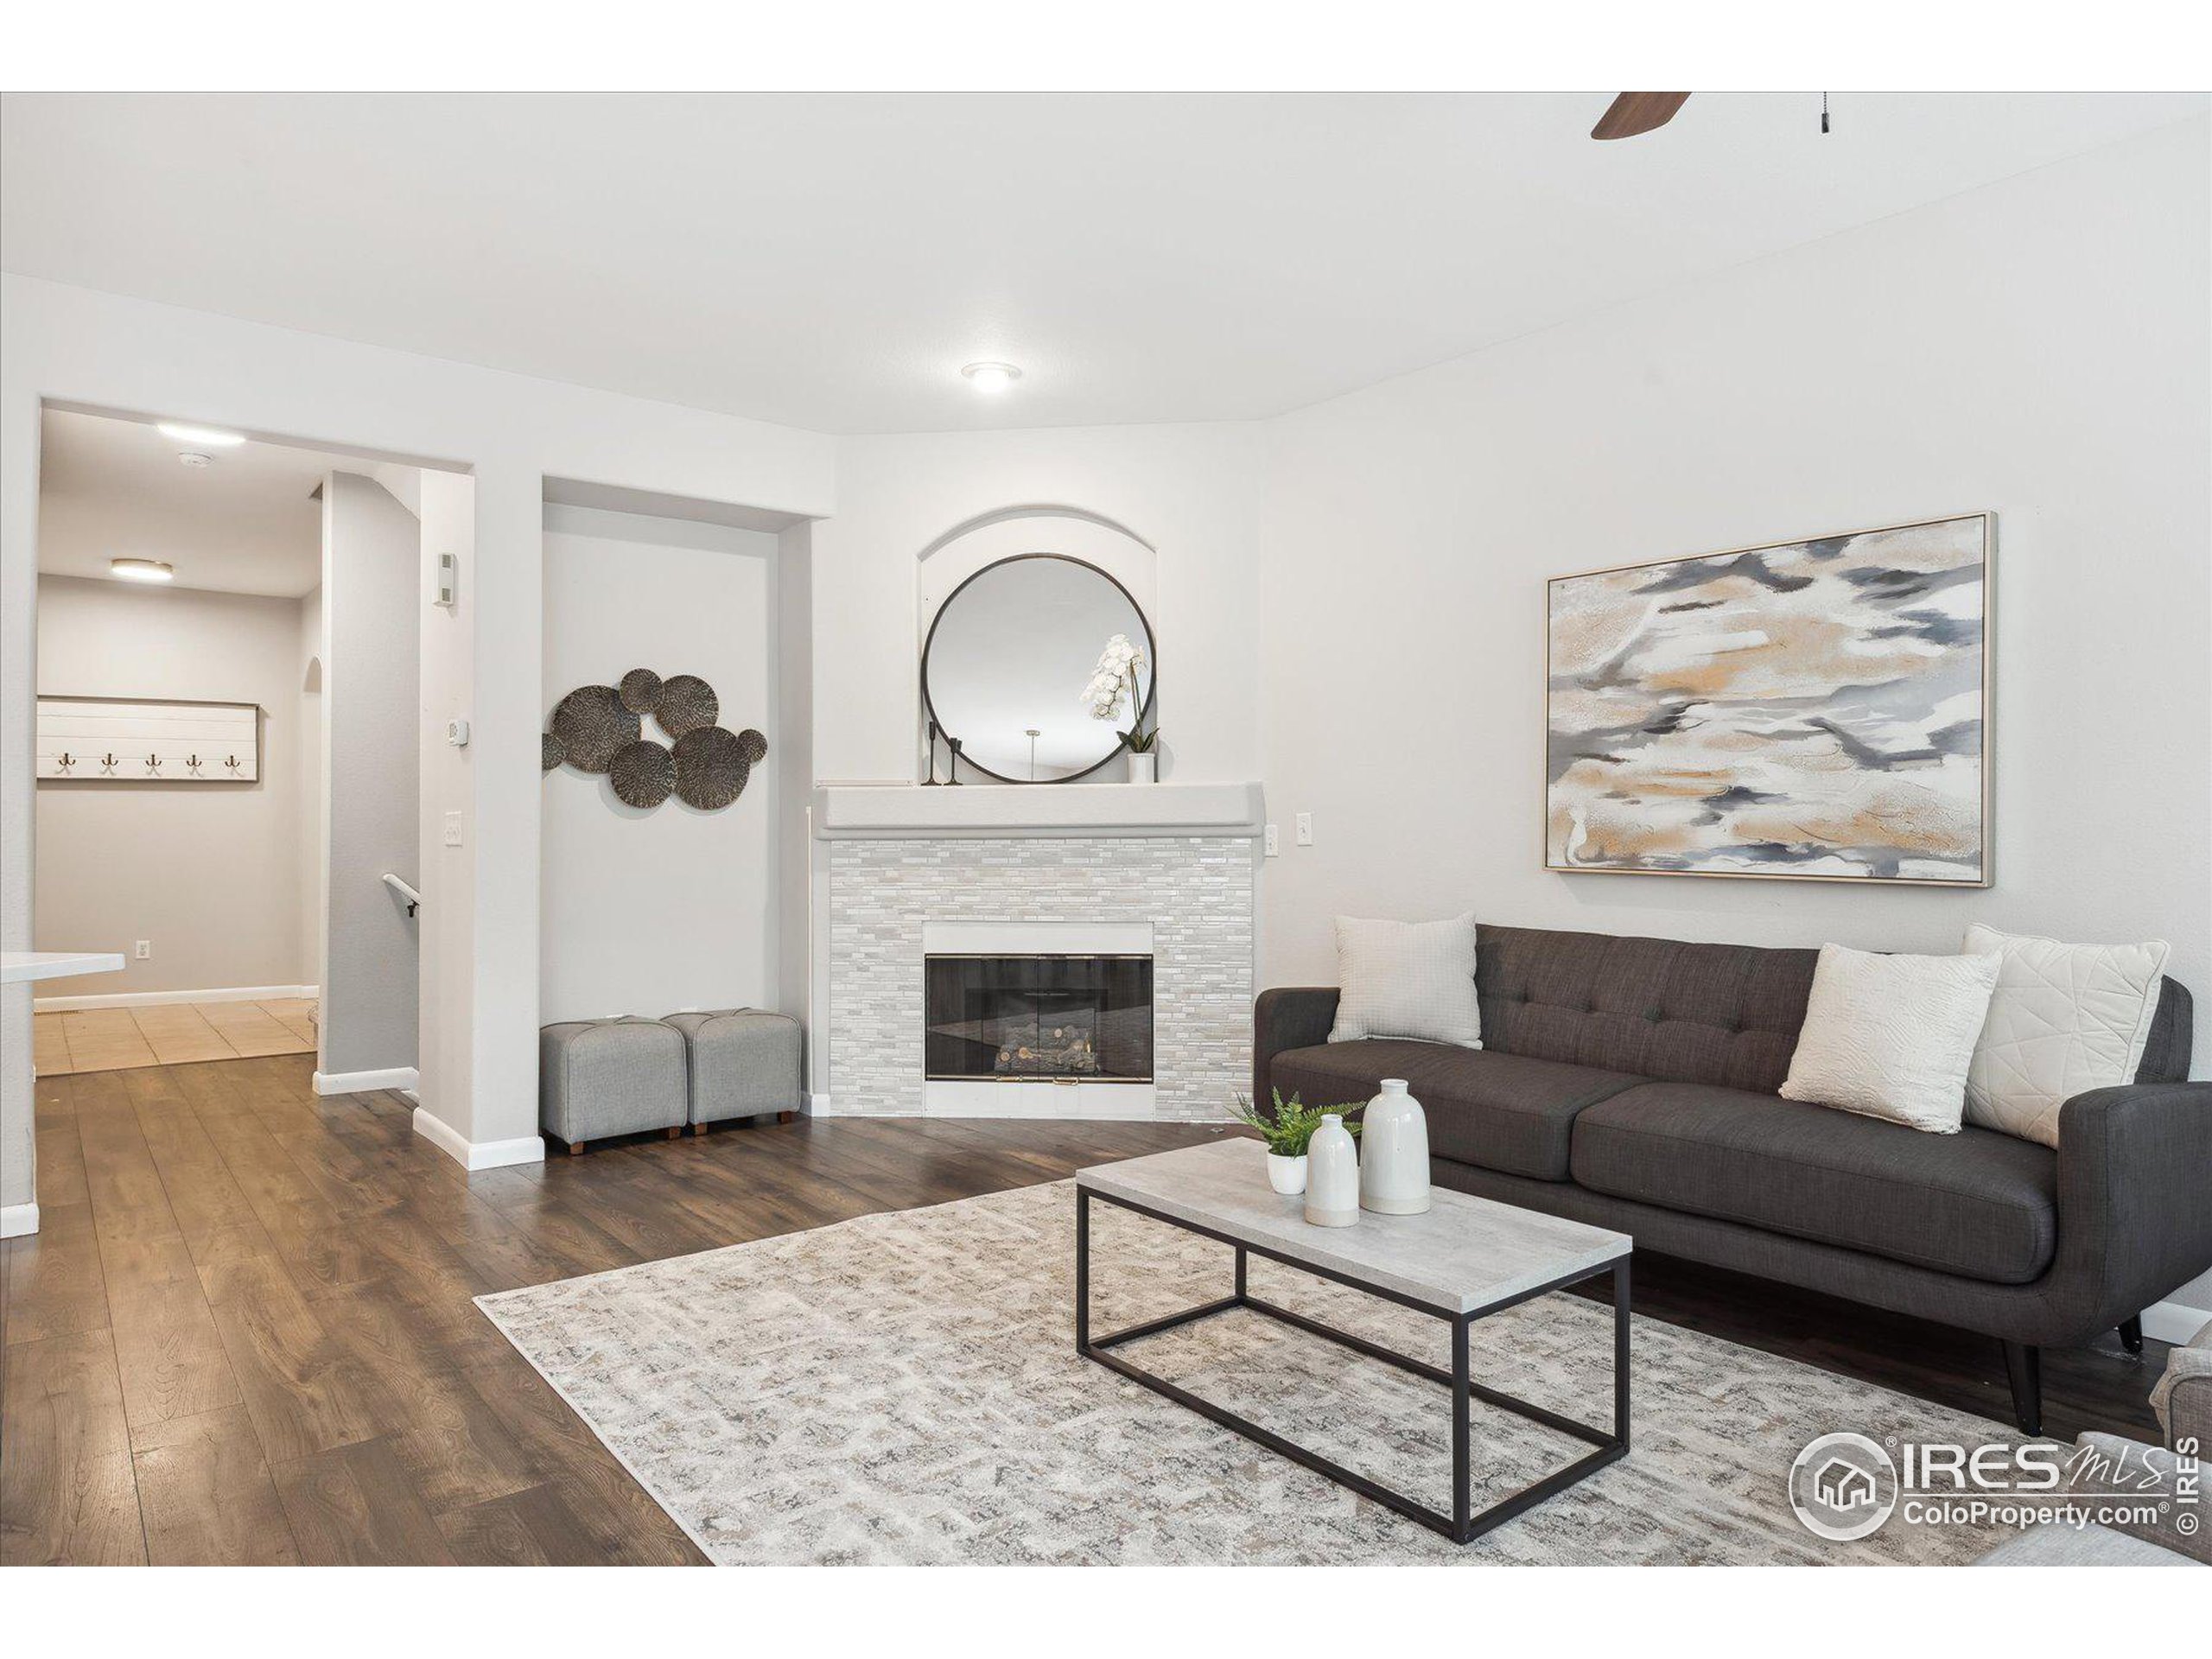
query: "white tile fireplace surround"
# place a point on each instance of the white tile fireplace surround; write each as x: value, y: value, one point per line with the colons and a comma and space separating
x: 1168, y: 869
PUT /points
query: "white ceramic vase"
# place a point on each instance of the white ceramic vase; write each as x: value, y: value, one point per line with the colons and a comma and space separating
x: 1394, y: 1153
x: 1287, y: 1175
x: 1332, y: 1175
x: 1144, y: 768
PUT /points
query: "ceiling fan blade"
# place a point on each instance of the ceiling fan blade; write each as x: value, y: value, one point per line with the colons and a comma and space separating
x: 1634, y: 112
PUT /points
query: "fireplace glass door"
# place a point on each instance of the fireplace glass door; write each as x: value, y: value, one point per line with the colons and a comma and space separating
x: 1031, y: 1017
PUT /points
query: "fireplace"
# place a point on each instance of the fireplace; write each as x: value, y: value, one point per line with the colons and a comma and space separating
x: 1036, y: 1018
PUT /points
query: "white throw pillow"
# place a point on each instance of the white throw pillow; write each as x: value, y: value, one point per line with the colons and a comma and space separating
x: 1407, y: 979
x: 1892, y: 1037
x: 2066, y: 1018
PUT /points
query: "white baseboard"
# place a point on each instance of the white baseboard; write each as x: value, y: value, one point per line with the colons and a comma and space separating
x: 477, y: 1155
x: 18, y: 1220
x: 355, y: 1083
x: 160, y: 999
x: 2174, y: 1321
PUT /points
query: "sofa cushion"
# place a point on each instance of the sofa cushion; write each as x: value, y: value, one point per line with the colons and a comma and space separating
x: 1978, y: 1203
x: 1721, y: 1013
x: 1503, y: 1111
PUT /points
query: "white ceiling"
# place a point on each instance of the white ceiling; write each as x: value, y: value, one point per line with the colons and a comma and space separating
x: 830, y: 260
x: 245, y: 523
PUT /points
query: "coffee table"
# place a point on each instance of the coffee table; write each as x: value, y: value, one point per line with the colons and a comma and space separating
x: 1465, y: 1258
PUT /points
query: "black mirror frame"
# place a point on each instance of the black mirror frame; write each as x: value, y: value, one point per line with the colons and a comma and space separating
x: 960, y: 755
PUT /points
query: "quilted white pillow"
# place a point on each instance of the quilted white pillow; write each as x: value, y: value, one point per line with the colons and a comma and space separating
x: 1891, y: 1036
x: 1407, y: 979
x: 2066, y: 1018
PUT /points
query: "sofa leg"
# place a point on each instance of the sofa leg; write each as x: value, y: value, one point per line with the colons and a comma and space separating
x: 786, y: 1117
x: 2131, y: 1334
x: 576, y: 1148
x: 698, y: 1129
x: 676, y: 1133
x: 2024, y: 1367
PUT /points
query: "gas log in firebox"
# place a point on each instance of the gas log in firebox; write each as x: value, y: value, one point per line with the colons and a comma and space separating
x: 1033, y: 1017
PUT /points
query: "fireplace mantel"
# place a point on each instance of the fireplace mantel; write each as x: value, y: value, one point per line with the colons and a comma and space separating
x: 1017, y: 812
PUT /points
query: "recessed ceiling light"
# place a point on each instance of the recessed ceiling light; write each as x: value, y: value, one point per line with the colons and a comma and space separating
x: 141, y: 570
x: 992, y: 376
x: 215, y: 436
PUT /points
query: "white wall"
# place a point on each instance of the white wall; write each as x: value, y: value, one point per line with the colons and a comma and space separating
x: 512, y: 432
x: 649, y: 910
x: 2039, y: 347
x: 310, y: 783
x: 371, y: 581
x: 208, y: 873
x: 445, y: 929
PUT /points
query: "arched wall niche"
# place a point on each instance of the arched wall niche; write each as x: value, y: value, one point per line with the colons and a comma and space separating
x: 1076, y: 532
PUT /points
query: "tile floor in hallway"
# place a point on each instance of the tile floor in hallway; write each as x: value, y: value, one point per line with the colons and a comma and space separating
x: 172, y: 1034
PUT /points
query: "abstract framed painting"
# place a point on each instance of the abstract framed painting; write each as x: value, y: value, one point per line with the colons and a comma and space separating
x: 1812, y: 710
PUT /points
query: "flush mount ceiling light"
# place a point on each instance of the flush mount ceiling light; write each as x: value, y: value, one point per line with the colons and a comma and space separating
x: 140, y: 570
x: 212, y: 437
x: 992, y: 376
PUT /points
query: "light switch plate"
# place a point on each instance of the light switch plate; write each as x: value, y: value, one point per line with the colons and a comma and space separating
x: 453, y: 828
x: 1306, y: 828
x: 1273, y: 841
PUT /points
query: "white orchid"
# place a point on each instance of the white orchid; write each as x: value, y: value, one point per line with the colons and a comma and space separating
x: 1113, y: 679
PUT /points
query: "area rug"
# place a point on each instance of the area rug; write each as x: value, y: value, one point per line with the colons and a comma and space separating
x: 905, y: 1389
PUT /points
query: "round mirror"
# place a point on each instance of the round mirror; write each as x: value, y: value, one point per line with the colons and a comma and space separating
x: 1009, y: 656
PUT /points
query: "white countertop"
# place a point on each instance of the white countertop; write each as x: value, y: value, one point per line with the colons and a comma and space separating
x: 920, y: 811
x: 17, y: 967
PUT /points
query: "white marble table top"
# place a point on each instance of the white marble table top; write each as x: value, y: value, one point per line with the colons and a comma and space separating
x: 1465, y: 1255
x: 17, y: 966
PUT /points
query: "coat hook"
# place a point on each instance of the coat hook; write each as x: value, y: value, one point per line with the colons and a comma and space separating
x: 110, y: 760
x: 231, y: 762
x: 193, y: 762
x: 152, y: 763
x: 68, y: 759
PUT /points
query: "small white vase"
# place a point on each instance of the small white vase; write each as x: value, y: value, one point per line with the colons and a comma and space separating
x: 1287, y: 1175
x: 1144, y: 768
x: 1394, y: 1153
x: 1332, y: 1175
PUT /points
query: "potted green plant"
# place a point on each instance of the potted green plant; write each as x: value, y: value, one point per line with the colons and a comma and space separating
x: 1289, y: 1130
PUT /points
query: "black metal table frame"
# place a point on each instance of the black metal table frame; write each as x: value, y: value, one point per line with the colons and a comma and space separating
x: 1462, y: 1526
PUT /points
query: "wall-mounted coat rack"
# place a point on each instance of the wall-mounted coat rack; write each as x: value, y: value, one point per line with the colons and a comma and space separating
x: 111, y: 740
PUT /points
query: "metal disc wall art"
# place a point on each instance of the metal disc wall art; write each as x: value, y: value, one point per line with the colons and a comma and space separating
x: 592, y: 723
x: 597, y: 728
x: 640, y: 691
x: 711, y: 768
x: 643, y: 773
x: 686, y: 703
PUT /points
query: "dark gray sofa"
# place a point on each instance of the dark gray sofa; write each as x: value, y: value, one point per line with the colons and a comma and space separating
x: 1630, y: 1082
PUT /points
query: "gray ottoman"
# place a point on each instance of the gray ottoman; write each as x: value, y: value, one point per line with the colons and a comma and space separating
x: 601, y: 1077
x: 744, y: 1062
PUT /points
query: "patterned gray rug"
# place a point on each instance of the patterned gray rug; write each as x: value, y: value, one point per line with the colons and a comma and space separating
x: 904, y: 1387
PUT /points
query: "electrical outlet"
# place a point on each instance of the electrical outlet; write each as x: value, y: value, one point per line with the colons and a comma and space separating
x: 143, y: 951
x: 1274, y: 841
x: 1306, y: 828
x: 453, y: 828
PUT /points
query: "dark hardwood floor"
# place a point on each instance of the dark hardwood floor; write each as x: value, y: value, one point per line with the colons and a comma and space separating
x: 245, y: 1332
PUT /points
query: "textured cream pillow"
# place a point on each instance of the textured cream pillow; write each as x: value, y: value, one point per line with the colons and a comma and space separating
x: 1407, y: 979
x: 2066, y: 1018
x: 1891, y: 1036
